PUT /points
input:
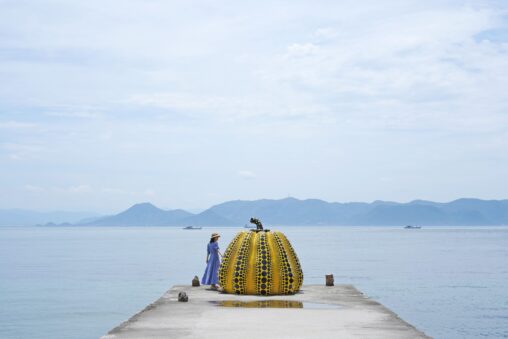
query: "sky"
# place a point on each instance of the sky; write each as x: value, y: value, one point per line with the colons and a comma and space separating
x: 187, y: 104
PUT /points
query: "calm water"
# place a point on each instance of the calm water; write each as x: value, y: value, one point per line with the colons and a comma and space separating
x: 81, y: 282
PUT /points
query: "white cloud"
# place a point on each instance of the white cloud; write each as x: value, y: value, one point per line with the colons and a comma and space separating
x: 75, y: 114
x: 189, y: 102
x: 419, y: 67
x: 299, y: 50
x: 248, y: 175
x: 80, y: 189
x: 33, y: 188
x: 325, y: 32
x: 109, y: 190
x: 16, y: 125
x: 149, y: 192
x: 170, y: 89
x: 24, y: 151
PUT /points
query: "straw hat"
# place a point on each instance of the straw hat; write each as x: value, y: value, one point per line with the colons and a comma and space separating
x: 215, y: 235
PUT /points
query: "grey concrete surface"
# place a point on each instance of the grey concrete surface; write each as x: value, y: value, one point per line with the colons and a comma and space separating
x: 315, y: 312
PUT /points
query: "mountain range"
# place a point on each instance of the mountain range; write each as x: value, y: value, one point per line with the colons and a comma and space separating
x: 23, y: 217
x: 291, y: 211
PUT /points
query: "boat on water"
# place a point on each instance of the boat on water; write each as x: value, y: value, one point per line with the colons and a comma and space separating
x: 192, y: 228
x: 412, y: 227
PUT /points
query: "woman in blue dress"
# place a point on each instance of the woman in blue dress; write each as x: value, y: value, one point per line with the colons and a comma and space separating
x: 211, y: 276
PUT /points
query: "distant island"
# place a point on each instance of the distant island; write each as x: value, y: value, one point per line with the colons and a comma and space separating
x: 295, y: 212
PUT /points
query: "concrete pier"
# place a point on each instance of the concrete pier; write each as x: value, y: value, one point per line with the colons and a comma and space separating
x: 315, y: 312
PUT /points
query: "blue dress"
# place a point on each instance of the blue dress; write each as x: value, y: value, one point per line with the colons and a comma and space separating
x: 211, y: 275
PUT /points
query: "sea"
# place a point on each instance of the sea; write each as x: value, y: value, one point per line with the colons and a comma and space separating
x: 80, y: 282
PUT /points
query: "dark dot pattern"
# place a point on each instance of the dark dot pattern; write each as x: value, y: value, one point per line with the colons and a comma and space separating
x: 298, y: 268
x: 226, y: 258
x: 263, y: 266
x: 284, y: 268
x: 241, y: 265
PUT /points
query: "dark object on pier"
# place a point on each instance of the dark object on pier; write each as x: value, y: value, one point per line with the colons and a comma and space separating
x: 195, y: 281
x: 329, y: 279
x: 182, y: 296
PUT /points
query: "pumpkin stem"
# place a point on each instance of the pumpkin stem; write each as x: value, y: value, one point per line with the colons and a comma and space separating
x: 258, y: 223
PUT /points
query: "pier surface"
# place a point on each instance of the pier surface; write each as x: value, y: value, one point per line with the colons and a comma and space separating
x: 315, y: 312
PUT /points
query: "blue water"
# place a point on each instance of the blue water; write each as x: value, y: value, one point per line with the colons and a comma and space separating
x: 80, y: 282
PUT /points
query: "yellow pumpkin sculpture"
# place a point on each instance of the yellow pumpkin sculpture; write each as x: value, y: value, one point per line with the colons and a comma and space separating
x: 260, y: 262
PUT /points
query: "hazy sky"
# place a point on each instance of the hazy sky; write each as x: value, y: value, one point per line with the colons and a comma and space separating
x: 190, y: 103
